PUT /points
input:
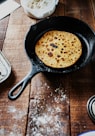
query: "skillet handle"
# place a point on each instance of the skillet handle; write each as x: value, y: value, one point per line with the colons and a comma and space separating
x: 22, y: 84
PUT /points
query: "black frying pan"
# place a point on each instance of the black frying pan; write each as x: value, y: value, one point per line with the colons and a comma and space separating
x: 62, y: 23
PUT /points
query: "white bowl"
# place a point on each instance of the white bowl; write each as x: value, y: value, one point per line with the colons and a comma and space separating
x: 90, y: 133
x: 39, y: 8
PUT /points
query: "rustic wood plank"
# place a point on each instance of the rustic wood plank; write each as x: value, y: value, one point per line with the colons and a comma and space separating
x: 81, y: 89
x: 93, y: 6
x: 57, y: 103
x: 49, y: 106
x: 49, y: 102
x: 82, y: 82
x: 72, y: 8
x: 13, y: 114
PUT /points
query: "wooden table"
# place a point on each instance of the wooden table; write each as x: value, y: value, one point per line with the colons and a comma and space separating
x: 51, y: 105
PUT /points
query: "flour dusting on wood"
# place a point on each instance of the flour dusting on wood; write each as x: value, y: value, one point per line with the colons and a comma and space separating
x: 48, y: 115
x: 17, y: 117
x: 17, y: 113
x: 11, y: 109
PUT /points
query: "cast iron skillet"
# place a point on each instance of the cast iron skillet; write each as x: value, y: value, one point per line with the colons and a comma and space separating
x: 62, y: 23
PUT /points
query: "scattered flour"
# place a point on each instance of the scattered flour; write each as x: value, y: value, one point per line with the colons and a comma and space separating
x: 12, y: 109
x: 45, y: 117
x: 14, y: 132
x: 17, y: 113
x: 2, y: 131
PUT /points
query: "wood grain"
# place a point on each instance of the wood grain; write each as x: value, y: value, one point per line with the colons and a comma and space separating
x: 82, y: 81
x: 51, y: 104
x: 13, y: 114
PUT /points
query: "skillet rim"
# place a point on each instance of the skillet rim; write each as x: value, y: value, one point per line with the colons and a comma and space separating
x: 58, y: 70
